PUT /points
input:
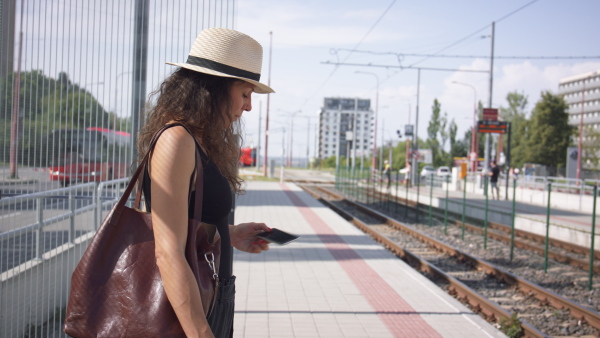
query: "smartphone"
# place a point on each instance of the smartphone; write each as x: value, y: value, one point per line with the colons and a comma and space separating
x: 277, y: 236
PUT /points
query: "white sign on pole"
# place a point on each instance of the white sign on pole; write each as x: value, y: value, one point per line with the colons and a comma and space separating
x: 425, y: 156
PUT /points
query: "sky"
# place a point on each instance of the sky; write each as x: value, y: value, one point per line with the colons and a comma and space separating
x: 308, y: 34
x: 92, y: 42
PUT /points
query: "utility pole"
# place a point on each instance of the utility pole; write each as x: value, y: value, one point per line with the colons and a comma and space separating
x: 307, y: 141
x: 140, y: 61
x: 488, y: 138
x: 14, y: 127
x: 268, y: 101
x: 414, y: 167
x: 258, y: 143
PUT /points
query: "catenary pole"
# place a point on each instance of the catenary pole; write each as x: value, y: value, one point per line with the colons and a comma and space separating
x: 488, y: 138
x: 268, y: 101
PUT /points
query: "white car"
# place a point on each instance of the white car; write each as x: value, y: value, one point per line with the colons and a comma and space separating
x: 427, y: 170
x: 443, y: 171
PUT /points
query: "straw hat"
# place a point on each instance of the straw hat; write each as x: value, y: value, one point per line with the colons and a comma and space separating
x: 227, y: 53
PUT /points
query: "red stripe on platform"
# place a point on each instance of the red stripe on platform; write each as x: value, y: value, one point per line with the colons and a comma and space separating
x: 400, y: 318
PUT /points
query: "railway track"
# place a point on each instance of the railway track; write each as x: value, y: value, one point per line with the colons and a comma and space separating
x: 560, y: 251
x: 498, y: 295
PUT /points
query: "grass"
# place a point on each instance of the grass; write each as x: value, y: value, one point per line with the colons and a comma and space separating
x: 511, y: 326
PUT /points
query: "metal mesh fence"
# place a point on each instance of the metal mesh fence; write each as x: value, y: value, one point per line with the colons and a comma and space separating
x: 69, y: 75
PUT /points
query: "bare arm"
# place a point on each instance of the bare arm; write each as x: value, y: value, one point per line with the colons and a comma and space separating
x: 171, y: 167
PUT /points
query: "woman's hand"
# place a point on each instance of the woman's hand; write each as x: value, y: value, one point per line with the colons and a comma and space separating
x: 243, y: 237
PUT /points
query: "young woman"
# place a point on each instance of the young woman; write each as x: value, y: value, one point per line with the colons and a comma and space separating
x: 208, y: 94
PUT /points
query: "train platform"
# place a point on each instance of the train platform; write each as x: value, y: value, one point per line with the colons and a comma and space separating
x: 334, y: 281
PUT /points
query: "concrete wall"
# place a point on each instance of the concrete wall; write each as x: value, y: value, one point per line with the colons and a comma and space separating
x: 31, y: 292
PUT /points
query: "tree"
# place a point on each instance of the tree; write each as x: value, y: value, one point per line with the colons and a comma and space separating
x: 549, y: 132
x: 458, y: 148
x: 517, y: 103
x: 435, y: 123
x: 515, y: 114
x: 45, y: 104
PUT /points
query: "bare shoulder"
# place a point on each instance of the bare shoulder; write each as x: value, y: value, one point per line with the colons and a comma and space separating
x: 174, y: 151
x: 175, y: 138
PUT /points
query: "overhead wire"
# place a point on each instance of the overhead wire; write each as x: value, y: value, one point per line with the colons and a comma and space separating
x: 478, y: 31
x: 347, y: 56
x: 397, y: 54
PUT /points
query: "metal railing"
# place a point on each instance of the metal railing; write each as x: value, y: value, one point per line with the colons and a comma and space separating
x: 45, y: 251
x: 446, y: 195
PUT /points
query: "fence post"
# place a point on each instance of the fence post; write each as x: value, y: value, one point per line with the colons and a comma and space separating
x: 71, y: 217
x: 396, y: 205
x: 337, y: 172
x: 370, y: 196
x: 355, y: 176
x: 39, y: 233
x: 98, y: 209
x: 581, y: 192
x: 430, y: 197
x: 592, y: 252
x: 462, y: 236
x: 547, y: 230
x: 382, y: 205
x: 512, y: 224
x: 406, y: 201
x: 418, y: 192
x: 485, y: 222
x: 364, y: 188
x: 446, y: 207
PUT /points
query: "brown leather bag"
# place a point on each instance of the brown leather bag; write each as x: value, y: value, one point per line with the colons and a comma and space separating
x: 117, y: 290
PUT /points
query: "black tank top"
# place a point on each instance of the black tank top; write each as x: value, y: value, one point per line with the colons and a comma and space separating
x: 216, y: 205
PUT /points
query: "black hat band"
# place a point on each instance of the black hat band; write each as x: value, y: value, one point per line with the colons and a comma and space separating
x: 219, y: 67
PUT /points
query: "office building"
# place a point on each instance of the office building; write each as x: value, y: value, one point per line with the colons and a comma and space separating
x: 340, y: 120
x: 582, y: 95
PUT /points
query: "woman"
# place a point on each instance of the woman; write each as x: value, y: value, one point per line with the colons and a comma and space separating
x: 208, y: 94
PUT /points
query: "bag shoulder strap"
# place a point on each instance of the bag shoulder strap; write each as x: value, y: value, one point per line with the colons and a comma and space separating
x: 198, y: 170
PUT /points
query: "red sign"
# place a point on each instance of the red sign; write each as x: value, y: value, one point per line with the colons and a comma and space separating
x: 495, y: 127
x: 490, y: 114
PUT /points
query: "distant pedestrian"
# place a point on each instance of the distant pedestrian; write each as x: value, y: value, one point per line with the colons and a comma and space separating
x: 388, y: 173
x: 494, y: 173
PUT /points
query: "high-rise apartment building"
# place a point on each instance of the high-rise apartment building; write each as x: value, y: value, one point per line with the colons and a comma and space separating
x: 345, y: 127
x: 582, y: 95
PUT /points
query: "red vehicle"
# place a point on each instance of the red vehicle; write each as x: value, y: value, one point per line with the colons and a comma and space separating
x: 90, y: 155
x: 248, y: 157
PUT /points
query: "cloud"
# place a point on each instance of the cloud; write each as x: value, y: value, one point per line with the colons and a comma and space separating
x: 302, y: 25
x: 524, y: 77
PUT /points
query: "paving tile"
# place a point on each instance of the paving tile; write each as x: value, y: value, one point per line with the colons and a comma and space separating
x: 334, y: 281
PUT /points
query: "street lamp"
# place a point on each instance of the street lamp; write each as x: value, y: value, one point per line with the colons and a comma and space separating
x: 474, y: 131
x: 373, y: 160
x: 291, y: 115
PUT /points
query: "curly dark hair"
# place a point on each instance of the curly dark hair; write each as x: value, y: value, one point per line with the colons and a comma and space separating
x: 196, y: 100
